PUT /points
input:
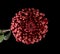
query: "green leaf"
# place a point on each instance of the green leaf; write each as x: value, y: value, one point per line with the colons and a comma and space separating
x: 0, y: 31
x: 1, y: 38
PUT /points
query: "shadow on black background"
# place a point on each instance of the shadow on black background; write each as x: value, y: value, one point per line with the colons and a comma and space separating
x: 7, y: 11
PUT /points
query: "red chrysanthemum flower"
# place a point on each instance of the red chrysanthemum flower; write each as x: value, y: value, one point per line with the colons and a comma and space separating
x: 29, y: 26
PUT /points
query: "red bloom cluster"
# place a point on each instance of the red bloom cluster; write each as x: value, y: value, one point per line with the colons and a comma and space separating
x: 29, y: 26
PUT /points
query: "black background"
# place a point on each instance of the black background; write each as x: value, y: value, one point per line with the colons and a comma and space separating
x: 7, y: 11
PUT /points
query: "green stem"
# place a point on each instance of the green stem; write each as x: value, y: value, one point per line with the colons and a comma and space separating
x: 6, y: 37
x: 6, y: 30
